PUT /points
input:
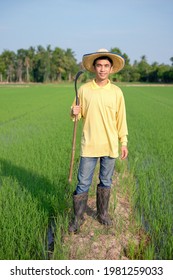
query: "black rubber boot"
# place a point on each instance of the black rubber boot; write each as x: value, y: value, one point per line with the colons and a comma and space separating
x: 102, y: 202
x: 79, y: 205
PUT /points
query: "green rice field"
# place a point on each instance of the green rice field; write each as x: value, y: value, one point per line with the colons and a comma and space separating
x: 35, y: 151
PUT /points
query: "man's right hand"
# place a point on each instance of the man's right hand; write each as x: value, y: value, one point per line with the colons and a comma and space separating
x: 76, y: 110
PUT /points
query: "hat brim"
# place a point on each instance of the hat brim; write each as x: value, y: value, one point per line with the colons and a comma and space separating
x: 88, y: 59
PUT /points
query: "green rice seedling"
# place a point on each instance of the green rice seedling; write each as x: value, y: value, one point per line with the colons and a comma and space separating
x: 35, y: 150
x: 22, y: 236
x: 35, y: 136
x: 149, y: 114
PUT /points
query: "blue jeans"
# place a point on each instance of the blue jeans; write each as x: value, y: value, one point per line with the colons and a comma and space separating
x: 86, y: 171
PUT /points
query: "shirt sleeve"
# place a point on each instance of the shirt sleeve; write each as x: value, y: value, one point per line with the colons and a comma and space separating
x: 121, y: 121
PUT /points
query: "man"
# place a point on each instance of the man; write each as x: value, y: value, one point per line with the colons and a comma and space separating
x: 102, y: 108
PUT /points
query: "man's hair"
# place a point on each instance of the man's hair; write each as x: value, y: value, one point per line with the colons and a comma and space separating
x: 103, y: 57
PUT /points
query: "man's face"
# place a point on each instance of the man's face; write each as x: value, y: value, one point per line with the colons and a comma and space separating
x: 102, y: 69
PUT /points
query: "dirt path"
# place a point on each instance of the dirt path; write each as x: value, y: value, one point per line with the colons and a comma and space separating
x: 98, y: 242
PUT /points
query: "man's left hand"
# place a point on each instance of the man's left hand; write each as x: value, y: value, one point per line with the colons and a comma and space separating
x: 124, y: 152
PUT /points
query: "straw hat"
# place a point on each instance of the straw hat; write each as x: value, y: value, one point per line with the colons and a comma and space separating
x: 118, y: 60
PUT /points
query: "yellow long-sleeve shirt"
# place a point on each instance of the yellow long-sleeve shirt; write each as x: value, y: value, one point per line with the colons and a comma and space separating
x: 104, y: 119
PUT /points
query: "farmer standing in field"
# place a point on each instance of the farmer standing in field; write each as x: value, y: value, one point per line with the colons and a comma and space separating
x: 102, y: 108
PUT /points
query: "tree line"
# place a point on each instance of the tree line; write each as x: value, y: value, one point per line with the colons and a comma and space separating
x: 43, y: 65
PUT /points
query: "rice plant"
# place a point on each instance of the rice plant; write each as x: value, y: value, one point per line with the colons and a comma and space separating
x: 35, y: 150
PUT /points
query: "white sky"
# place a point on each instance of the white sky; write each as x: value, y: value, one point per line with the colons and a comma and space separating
x: 136, y: 27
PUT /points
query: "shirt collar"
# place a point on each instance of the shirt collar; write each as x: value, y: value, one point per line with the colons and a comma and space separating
x: 96, y: 86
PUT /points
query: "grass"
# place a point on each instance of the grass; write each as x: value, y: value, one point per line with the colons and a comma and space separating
x: 35, y: 150
x: 150, y: 143
x: 34, y: 157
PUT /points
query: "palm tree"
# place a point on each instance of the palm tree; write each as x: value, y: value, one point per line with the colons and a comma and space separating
x: 21, y: 64
x: 9, y: 59
x: 47, y: 62
x: 58, y: 63
x: 144, y: 69
x: 29, y: 64
x: 2, y: 68
x: 70, y: 65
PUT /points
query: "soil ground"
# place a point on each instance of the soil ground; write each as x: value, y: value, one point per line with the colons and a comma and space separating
x: 121, y: 241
